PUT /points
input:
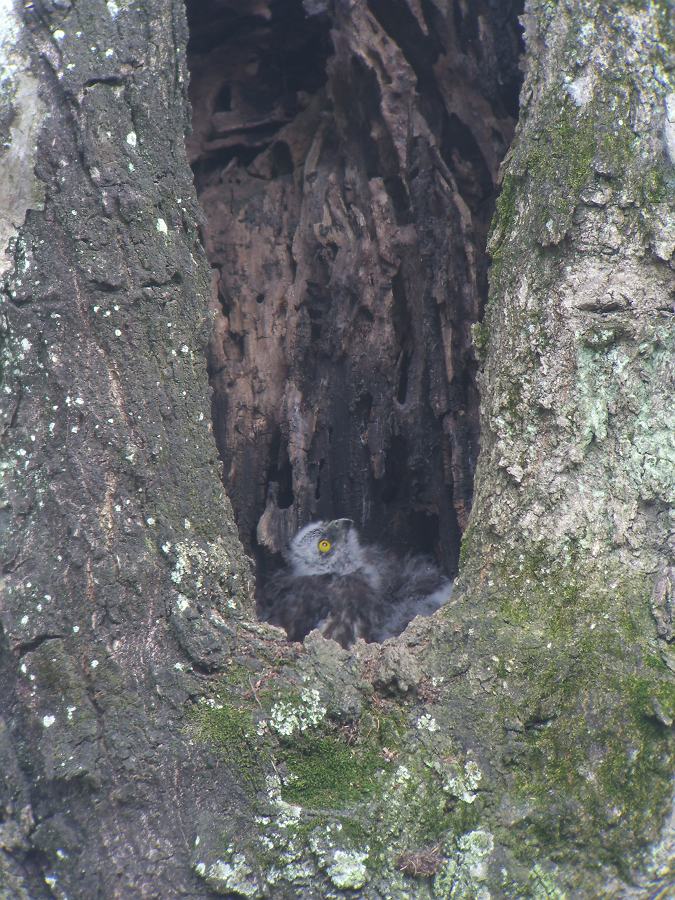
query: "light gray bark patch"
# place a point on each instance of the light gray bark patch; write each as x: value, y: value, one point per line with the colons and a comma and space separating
x: 21, y: 114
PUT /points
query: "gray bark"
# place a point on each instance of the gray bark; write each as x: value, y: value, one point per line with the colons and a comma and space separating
x: 155, y: 740
x: 118, y: 543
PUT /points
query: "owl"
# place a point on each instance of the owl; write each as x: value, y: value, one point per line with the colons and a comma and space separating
x: 348, y: 590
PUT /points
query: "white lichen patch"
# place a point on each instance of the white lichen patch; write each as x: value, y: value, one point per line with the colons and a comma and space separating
x: 298, y: 872
x: 289, y: 816
x: 581, y: 89
x: 209, y: 701
x: 189, y: 558
x: 48, y: 721
x: 464, y: 784
x: 427, y: 723
x: 466, y: 871
x: 197, y: 569
x: 132, y: 140
x: 402, y: 775
x: 288, y: 717
x: 162, y: 226
x: 347, y: 870
x: 115, y: 7
x: 230, y: 875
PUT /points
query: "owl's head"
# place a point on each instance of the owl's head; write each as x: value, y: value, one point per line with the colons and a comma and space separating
x: 326, y: 548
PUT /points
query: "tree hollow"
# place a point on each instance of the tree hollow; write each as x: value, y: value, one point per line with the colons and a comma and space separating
x: 346, y: 157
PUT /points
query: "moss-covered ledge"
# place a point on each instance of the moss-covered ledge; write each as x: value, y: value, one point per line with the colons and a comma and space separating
x: 519, y: 744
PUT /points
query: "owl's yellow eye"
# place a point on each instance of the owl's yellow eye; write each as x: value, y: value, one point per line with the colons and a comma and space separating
x: 324, y: 546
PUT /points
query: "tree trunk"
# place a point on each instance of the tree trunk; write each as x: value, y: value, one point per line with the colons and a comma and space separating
x: 119, y: 547
x: 157, y: 741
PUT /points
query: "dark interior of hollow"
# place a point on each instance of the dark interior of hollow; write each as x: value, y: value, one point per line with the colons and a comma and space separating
x: 347, y: 158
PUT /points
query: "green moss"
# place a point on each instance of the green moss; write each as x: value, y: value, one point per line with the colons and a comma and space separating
x: 479, y: 338
x: 461, y: 818
x: 465, y: 549
x: 325, y: 772
x: 383, y: 729
x: 645, y: 691
x: 505, y: 213
x: 588, y: 764
x: 230, y: 728
x: 597, y: 763
x: 654, y: 187
x: 598, y: 776
x: 239, y: 676
x: 561, y: 160
x: 542, y: 885
x: 593, y: 762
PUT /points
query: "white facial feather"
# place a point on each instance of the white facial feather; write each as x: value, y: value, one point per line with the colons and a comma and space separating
x: 344, y: 557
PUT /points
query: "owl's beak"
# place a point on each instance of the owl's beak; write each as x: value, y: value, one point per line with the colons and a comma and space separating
x: 343, y: 525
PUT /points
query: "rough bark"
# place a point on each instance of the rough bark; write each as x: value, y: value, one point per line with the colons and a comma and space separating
x: 118, y: 544
x: 155, y: 740
x: 570, y: 545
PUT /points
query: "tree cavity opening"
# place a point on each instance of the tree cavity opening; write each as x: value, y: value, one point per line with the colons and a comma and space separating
x: 346, y: 157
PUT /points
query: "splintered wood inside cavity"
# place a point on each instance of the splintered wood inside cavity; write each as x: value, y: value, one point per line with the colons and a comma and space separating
x: 346, y: 157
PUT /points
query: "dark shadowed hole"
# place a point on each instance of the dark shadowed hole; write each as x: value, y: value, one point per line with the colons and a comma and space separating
x: 224, y: 98
x: 394, y: 480
x: 363, y: 408
x: 404, y: 366
x: 282, y: 161
x: 280, y: 472
x: 463, y: 156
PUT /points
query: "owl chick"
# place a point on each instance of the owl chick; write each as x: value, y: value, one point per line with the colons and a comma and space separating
x: 347, y: 590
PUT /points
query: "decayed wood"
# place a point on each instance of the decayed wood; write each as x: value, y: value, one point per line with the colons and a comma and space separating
x: 347, y: 162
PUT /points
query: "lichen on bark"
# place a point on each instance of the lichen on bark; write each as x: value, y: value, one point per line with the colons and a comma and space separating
x: 575, y: 408
x: 574, y: 487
